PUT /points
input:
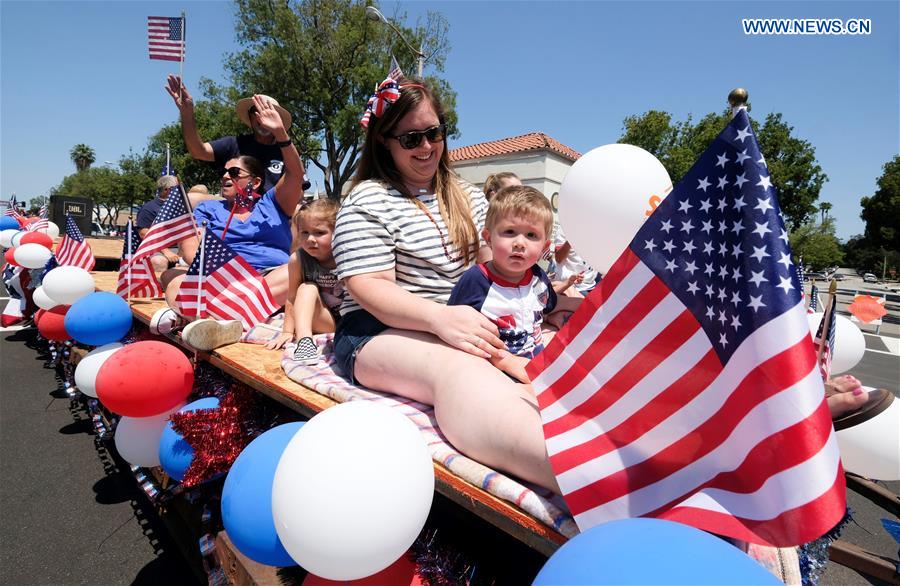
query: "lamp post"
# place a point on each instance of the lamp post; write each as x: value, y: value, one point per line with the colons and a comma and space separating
x: 373, y: 13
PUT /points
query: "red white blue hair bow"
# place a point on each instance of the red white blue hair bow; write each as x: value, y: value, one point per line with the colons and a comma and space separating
x: 387, y: 93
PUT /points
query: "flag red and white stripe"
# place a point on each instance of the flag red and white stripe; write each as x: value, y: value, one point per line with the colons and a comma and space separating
x: 140, y: 280
x: 166, y: 37
x: 73, y: 250
x: 172, y: 224
x: 227, y: 287
x: 679, y: 394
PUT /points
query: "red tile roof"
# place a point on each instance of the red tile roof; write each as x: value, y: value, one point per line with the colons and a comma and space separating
x: 516, y: 144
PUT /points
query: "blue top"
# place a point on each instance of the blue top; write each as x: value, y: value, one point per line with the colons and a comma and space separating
x: 148, y: 213
x: 518, y: 309
x: 263, y: 239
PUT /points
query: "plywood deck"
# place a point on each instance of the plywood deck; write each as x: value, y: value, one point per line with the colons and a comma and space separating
x: 261, y: 369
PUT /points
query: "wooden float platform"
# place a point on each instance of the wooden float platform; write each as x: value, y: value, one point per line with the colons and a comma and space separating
x: 259, y: 368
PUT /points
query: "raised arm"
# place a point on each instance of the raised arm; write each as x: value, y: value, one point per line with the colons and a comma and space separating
x: 289, y: 188
x: 199, y: 149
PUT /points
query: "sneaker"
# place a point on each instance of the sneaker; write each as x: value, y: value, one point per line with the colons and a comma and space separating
x: 306, y: 351
x: 165, y: 321
x: 209, y: 334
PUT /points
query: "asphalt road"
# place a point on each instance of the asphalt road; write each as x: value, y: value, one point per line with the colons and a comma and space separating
x: 69, y: 515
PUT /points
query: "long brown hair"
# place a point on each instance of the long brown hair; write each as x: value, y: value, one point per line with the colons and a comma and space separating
x: 494, y: 182
x: 376, y: 163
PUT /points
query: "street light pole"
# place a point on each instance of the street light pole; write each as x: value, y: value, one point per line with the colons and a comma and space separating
x: 373, y: 13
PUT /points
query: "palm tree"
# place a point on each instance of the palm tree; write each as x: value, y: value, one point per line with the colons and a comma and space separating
x: 82, y: 155
x: 824, y: 207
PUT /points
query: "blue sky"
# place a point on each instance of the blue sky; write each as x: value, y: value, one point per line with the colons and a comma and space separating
x: 74, y: 72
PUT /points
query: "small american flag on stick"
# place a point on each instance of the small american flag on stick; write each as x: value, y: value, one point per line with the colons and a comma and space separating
x: 166, y: 37
x: 73, y: 250
x: 686, y: 386
x: 136, y: 277
x: 221, y: 284
x: 173, y: 223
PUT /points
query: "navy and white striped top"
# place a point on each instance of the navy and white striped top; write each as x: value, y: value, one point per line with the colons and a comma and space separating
x: 379, y: 229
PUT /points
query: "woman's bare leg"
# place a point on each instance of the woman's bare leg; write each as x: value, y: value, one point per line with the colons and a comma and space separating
x: 482, y: 412
x: 310, y: 314
x: 278, y: 284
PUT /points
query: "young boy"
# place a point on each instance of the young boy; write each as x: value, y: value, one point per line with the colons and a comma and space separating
x: 512, y: 290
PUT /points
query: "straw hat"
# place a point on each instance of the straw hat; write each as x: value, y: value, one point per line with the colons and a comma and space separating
x: 244, y: 105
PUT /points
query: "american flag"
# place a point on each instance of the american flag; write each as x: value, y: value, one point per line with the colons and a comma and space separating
x: 396, y: 72
x: 223, y: 285
x: 73, y: 250
x: 141, y: 282
x: 686, y: 386
x: 173, y: 224
x: 828, y: 349
x: 813, y: 299
x: 44, y: 211
x: 42, y: 223
x: 166, y: 37
x: 12, y: 208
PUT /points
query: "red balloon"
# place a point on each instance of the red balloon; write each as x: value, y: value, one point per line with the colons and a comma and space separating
x: 403, y: 572
x: 37, y: 238
x: 144, y: 379
x: 8, y: 255
x: 51, y: 323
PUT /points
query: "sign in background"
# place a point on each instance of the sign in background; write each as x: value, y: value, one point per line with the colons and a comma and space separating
x: 80, y: 208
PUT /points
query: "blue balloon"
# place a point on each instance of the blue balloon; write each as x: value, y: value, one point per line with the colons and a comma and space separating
x: 175, y: 454
x: 650, y: 551
x: 99, y: 318
x: 8, y: 223
x: 247, y: 497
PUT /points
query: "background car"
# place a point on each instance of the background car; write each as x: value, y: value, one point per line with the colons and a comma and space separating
x: 870, y: 278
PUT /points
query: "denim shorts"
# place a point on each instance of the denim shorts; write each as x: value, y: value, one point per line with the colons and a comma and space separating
x: 353, y: 331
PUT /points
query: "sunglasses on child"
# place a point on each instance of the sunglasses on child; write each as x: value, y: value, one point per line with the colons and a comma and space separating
x: 410, y: 140
x: 235, y: 172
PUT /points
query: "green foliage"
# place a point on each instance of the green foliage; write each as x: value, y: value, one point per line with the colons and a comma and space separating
x: 83, y: 156
x: 110, y: 190
x: 791, y: 161
x: 881, y: 211
x: 817, y: 245
x: 321, y: 59
x: 35, y: 203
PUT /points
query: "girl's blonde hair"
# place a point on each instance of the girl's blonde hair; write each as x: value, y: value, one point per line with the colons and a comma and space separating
x: 376, y: 163
x: 494, y: 182
x: 324, y: 209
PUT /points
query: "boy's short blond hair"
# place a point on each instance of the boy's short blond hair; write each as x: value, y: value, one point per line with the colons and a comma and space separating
x: 520, y: 201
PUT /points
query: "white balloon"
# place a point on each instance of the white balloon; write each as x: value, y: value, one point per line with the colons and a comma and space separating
x: 32, y: 255
x: 67, y: 284
x: 350, y: 449
x: 42, y: 300
x: 872, y: 448
x: 605, y: 197
x: 17, y: 238
x: 89, y: 366
x: 137, y: 438
x: 52, y: 230
x: 849, y: 342
x: 6, y: 237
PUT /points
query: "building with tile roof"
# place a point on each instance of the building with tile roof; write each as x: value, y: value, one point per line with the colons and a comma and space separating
x: 539, y: 160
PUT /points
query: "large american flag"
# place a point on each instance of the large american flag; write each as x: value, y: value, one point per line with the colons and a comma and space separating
x: 172, y: 224
x: 686, y: 386
x: 136, y: 277
x: 166, y: 37
x: 224, y: 286
x: 73, y: 250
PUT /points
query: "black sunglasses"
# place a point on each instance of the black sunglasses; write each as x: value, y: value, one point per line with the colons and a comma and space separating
x: 235, y: 172
x: 410, y: 140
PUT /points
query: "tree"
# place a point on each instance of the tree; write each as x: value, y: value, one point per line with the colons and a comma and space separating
x: 35, y: 203
x: 817, y: 245
x: 824, y: 207
x: 321, y: 59
x: 791, y: 161
x: 110, y: 190
x: 881, y: 211
x: 83, y: 156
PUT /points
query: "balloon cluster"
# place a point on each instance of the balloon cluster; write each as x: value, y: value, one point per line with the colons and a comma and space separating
x: 29, y: 249
x: 293, y: 495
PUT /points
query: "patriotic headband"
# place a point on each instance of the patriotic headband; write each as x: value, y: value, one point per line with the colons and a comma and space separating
x: 387, y: 93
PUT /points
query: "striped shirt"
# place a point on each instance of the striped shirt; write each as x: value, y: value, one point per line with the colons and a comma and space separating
x: 379, y: 229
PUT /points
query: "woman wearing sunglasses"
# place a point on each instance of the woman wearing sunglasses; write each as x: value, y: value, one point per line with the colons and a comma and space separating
x: 258, y: 227
x: 404, y: 235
